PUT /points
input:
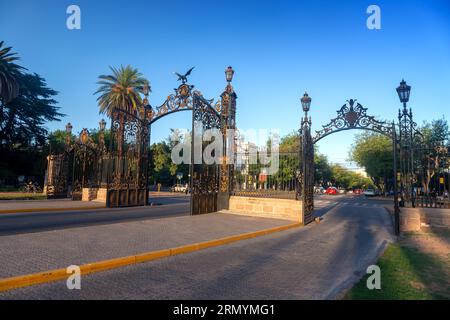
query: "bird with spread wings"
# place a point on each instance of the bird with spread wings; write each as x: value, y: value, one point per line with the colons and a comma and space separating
x: 183, y: 78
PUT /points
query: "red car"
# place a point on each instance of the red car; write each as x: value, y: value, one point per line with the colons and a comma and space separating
x: 332, y: 191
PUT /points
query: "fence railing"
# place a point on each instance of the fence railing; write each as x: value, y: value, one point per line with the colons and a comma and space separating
x: 432, y: 202
x: 278, y: 178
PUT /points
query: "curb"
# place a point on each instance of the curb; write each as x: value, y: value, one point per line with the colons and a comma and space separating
x: 60, y: 274
x: 50, y: 209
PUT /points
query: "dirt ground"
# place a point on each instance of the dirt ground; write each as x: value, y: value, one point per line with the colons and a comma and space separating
x: 434, y: 242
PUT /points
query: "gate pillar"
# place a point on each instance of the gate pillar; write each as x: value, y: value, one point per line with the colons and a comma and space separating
x: 307, y: 157
x: 228, y: 127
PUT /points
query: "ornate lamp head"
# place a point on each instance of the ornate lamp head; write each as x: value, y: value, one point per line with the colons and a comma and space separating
x: 306, y: 102
x: 403, y: 91
x: 229, y: 72
x: 102, y: 125
x: 69, y: 128
x: 146, y: 89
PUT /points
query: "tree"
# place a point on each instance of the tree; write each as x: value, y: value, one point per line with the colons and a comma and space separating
x: 162, y: 169
x: 23, y: 118
x: 374, y: 152
x: 344, y: 178
x: 323, y: 172
x: 120, y: 90
x: 436, y: 143
x: 10, y: 73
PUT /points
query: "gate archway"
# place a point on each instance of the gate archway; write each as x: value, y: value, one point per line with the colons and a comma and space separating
x: 352, y: 115
x: 120, y: 171
x: 209, y: 184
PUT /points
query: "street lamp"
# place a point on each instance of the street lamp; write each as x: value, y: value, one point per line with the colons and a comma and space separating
x: 68, y: 133
x: 102, y: 124
x: 403, y: 91
x: 69, y: 128
x: 306, y: 102
x: 229, y: 72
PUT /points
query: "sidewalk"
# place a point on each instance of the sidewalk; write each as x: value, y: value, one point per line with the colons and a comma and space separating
x: 12, y: 206
x: 36, y: 252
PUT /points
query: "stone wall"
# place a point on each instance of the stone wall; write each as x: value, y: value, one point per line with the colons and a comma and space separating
x: 94, y: 194
x: 416, y: 219
x: 287, y: 209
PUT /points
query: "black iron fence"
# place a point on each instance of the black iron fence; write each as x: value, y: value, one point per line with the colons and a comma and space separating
x: 276, y: 178
x: 429, y: 201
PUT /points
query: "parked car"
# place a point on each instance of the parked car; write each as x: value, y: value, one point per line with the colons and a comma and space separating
x: 179, y: 188
x: 357, y: 191
x: 332, y: 191
x: 370, y: 193
x: 319, y: 190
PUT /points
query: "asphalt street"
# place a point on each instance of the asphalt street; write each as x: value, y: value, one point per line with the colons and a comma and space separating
x: 164, y: 206
x: 315, y: 262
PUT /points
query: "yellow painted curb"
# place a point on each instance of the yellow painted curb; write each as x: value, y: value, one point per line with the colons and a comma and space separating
x: 51, y: 209
x: 60, y: 274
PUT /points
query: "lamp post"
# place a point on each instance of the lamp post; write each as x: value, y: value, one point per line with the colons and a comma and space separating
x: 228, y: 127
x: 406, y: 126
x: 306, y: 105
x: 229, y: 72
x: 148, y: 115
x: 102, y: 126
x: 68, y: 134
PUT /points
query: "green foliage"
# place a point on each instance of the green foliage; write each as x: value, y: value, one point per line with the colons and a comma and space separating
x: 343, y: 178
x: 120, y: 90
x: 434, y: 152
x: 323, y: 171
x: 10, y: 73
x: 23, y: 118
x: 290, y: 143
x: 26, y: 104
x: 374, y: 152
x: 406, y: 274
x: 162, y: 169
x: 436, y: 133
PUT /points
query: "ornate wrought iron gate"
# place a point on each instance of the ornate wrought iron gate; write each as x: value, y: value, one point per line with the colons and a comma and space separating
x: 128, y: 160
x: 204, y: 177
x: 351, y: 115
x: 57, y: 177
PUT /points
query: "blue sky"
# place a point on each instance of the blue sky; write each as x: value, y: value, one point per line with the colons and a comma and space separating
x: 279, y: 49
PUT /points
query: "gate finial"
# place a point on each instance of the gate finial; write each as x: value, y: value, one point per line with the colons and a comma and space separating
x: 183, y: 78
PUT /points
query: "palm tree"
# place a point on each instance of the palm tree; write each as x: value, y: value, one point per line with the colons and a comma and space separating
x: 121, y: 90
x: 9, y: 74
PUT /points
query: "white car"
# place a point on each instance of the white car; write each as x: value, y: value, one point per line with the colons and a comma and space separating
x: 179, y: 188
x: 370, y: 193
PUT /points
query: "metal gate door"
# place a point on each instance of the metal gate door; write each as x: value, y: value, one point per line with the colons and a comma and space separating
x: 204, y: 177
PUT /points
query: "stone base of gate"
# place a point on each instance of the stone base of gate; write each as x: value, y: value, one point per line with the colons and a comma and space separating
x: 94, y: 194
x: 287, y: 209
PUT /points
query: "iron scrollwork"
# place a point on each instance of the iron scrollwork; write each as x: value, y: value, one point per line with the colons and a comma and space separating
x: 353, y: 115
x: 204, y: 112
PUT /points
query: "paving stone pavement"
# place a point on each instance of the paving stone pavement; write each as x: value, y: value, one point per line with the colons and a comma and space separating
x: 315, y: 262
x: 41, y: 251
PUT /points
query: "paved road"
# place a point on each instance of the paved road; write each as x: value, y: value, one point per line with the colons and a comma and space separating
x: 315, y: 262
x: 165, y: 206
